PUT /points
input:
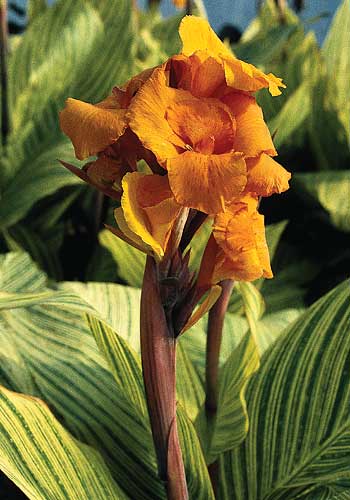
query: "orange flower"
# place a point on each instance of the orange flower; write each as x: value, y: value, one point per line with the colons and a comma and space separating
x: 148, y: 212
x: 90, y: 127
x: 194, y: 142
x: 237, y: 248
x: 196, y: 34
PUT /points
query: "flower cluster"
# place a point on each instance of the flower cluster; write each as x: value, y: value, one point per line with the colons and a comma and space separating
x: 196, y: 124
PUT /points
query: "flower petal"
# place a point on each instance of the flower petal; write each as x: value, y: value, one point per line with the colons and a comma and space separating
x: 205, y: 182
x: 91, y: 128
x: 242, y: 252
x: 266, y: 176
x: 150, y: 220
x: 252, y: 134
x: 201, y: 75
x: 241, y: 75
x: 146, y: 116
x: 197, y: 34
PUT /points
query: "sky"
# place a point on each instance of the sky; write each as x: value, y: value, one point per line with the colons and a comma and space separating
x: 241, y: 12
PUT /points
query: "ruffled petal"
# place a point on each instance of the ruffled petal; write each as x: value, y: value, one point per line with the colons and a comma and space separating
x: 146, y: 116
x: 242, y: 253
x: 252, y: 134
x: 266, y: 176
x: 201, y: 75
x: 196, y: 34
x: 206, y: 182
x: 91, y: 128
x: 150, y: 219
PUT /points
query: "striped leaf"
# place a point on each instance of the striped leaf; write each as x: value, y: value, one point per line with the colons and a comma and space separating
x: 43, y: 459
x: 299, y: 411
x: 91, y: 44
x: 73, y: 377
x: 130, y: 261
x: 56, y: 348
x: 229, y: 427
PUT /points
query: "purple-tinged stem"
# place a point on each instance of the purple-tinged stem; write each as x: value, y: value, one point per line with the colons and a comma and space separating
x: 158, y: 353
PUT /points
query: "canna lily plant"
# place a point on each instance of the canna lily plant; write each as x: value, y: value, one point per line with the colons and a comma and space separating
x: 177, y: 146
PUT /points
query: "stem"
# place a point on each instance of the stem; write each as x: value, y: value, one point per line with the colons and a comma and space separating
x: 5, y: 119
x: 189, y: 7
x: 214, y: 337
x: 158, y: 349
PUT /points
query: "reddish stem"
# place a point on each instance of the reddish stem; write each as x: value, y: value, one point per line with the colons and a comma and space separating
x: 158, y: 350
x: 214, y: 338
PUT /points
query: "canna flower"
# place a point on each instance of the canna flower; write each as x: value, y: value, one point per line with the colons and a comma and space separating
x: 194, y: 143
x: 197, y: 35
x: 237, y: 247
x: 195, y: 122
x: 148, y: 212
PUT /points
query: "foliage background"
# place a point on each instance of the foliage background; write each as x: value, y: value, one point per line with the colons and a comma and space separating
x: 52, y: 232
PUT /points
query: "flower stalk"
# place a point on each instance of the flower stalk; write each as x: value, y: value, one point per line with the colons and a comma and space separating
x: 158, y: 352
x: 214, y: 338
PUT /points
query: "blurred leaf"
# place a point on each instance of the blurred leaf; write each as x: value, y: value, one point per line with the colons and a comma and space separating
x: 298, y: 405
x: 34, y: 8
x: 264, y: 46
x: 43, y: 460
x: 336, y: 54
x: 292, y: 116
x: 329, y: 144
x: 332, y: 191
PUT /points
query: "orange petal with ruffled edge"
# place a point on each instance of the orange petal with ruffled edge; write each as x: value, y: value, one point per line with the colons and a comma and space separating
x: 196, y: 34
x: 206, y: 182
x: 150, y: 219
x: 252, y: 134
x: 241, y: 75
x: 91, y: 128
x: 266, y: 176
x: 146, y: 116
x: 201, y: 75
x: 242, y: 250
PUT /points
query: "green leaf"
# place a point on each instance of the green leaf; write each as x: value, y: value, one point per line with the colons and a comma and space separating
x: 265, y: 46
x: 35, y: 180
x: 292, y: 115
x: 35, y: 7
x: 22, y: 238
x: 41, y: 457
x: 337, y: 58
x: 229, y: 426
x: 130, y: 261
x: 74, y: 378
x: 58, y: 351
x: 92, y: 47
x: 331, y: 190
x: 298, y: 404
x: 124, y: 363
